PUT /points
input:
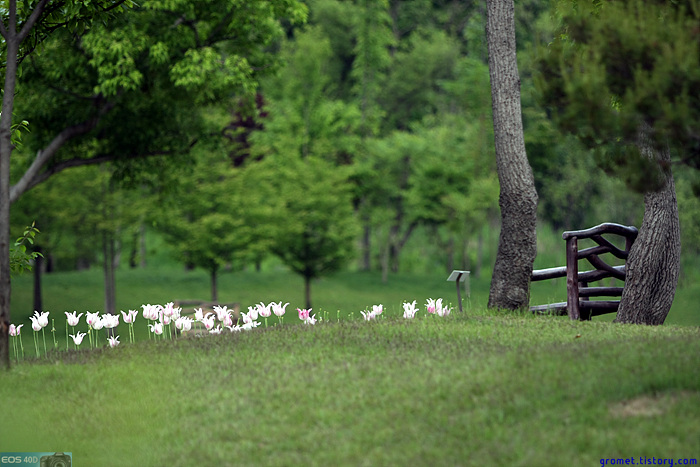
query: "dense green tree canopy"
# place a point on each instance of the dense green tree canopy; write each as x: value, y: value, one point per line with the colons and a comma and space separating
x: 614, y: 65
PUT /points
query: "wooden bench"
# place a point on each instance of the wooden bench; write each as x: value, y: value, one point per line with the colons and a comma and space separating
x: 578, y: 304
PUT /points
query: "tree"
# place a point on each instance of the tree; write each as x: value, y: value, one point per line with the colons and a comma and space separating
x: 108, y: 82
x: 306, y: 148
x: 22, y: 31
x: 517, y: 244
x: 622, y: 76
x: 207, y: 218
x: 309, y: 213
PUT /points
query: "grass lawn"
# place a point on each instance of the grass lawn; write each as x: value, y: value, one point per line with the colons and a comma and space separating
x: 479, y: 388
x: 483, y: 389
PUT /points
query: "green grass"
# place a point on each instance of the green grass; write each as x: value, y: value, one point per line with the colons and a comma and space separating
x: 480, y: 389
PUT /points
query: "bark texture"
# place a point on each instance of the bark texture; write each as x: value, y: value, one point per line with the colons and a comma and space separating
x: 653, y: 265
x: 517, y: 244
x: 12, y: 44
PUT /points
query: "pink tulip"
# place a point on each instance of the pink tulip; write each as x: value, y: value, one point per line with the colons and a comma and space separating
x: 253, y: 312
x: 72, y: 318
x: 278, y: 309
x: 151, y: 312
x: 264, y: 310
x: 368, y: 315
x: 42, y: 318
x: 78, y: 338
x: 113, y: 341
x: 110, y: 321
x: 35, y: 323
x: 430, y: 306
x: 183, y: 323
x: 304, y: 314
x: 209, y: 322
x: 228, y: 320
x: 442, y: 310
x: 130, y: 317
x: 92, y: 318
x: 168, y: 309
x: 221, y: 312
x: 409, y: 310
x: 14, y: 331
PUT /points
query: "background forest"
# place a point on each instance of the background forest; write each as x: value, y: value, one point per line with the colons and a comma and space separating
x: 361, y: 139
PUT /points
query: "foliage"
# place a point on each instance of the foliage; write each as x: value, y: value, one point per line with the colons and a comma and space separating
x: 140, y: 81
x: 312, y: 225
x: 207, y: 219
x: 20, y: 259
x: 614, y: 65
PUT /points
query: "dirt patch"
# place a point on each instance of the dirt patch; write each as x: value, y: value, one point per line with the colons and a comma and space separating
x: 647, y: 405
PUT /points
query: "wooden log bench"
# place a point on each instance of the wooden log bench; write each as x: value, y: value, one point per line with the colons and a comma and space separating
x: 579, y: 305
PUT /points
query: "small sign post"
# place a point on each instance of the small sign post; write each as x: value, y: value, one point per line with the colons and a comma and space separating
x: 460, y: 276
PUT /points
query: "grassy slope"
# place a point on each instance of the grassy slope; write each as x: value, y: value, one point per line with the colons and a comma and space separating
x: 484, y: 389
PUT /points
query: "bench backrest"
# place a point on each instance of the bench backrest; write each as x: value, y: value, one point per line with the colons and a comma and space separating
x: 578, y: 305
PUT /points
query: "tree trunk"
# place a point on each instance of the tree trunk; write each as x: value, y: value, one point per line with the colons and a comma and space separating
x: 653, y: 265
x: 214, y: 285
x: 479, y: 255
x: 450, y: 252
x: 307, y: 291
x: 384, y: 260
x: 142, y: 245
x: 12, y: 47
x: 38, y: 269
x: 517, y: 244
x: 109, y: 278
x: 366, y: 247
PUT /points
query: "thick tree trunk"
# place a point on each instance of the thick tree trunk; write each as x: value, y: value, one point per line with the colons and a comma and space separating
x: 653, y: 265
x: 517, y: 244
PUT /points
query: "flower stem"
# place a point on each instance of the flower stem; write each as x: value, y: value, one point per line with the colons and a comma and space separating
x: 43, y: 335
x: 53, y: 333
x: 36, y: 345
x: 67, y: 336
x: 14, y: 347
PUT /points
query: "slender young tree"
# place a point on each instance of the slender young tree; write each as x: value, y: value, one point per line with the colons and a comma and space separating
x: 517, y: 244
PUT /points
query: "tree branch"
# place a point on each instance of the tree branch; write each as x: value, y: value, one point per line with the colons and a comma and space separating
x: 31, y: 21
x: 3, y: 30
x: 43, y: 156
x: 40, y: 177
